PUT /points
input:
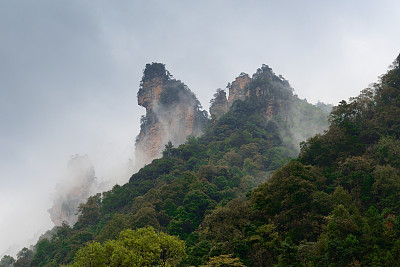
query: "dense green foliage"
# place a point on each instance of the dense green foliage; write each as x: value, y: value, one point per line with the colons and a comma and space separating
x: 176, y: 192
x: 337, y: 204
x: 142, y: 247
x: 7, y: 261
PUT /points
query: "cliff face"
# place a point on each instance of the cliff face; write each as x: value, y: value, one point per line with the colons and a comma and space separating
x: 151, y: 92
x: 238, y: 89
x: 172, y: 113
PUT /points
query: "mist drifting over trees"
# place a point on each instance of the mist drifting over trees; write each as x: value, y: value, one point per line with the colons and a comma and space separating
x: 70, y: 73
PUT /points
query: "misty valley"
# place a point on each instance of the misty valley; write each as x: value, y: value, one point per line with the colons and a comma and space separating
x: 262, y: 179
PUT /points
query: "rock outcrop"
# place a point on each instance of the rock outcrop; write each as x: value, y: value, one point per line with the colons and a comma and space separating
x: 218, y: 105
x: 238, y: 89
x: 264, y: 86
x: 274, y: 96
x: 172, y: 113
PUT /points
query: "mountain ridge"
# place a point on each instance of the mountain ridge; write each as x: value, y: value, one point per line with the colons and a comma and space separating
x: 175, y: 193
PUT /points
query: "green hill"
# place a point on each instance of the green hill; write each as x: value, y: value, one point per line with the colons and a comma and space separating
x: 336, y: 205
x: 239, y: 195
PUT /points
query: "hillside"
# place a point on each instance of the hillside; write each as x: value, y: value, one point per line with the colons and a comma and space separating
x: 336, y: 205
x: 182, y: 192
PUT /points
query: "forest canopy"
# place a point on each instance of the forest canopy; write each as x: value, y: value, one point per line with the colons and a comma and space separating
x: 241, y: 195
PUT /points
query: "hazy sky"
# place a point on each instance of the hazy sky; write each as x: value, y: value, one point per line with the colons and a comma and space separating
x: 70, y: 71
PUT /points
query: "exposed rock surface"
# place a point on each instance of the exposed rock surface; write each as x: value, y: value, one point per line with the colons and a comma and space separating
x: 238, y: 89
x: 172, y: 113
x: 262, y: 86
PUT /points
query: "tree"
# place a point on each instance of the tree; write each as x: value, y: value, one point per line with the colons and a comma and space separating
x: 146, y: 216
x: 113, y: 227
x: 289, y: 255
x: 172, y: 250
x: 387, y: 151
x: 89, y: 212
x: 44, y: 249
x: 169, y: 150
x: 196, y: 203
x: 341, y: 236
x: 7, y: 261
x: 224, y: 261
x: 91, y: 255
x: 386, y: 188
x: 24, y: 258
x: 141, y: 247
x: 287, y: 199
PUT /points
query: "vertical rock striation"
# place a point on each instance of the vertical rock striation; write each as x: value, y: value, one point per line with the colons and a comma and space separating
x: 239, y: 89
x: 172, y: 113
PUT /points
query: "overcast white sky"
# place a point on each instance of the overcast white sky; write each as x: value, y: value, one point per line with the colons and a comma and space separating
x: 70, y: 71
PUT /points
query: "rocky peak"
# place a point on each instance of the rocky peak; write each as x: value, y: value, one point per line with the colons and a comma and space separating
x: 237, y: 90
x: 219, y: 104
x: 172, y: 113
x: 274, y: 98
x: 264, y: 87
x: 154, y: 77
